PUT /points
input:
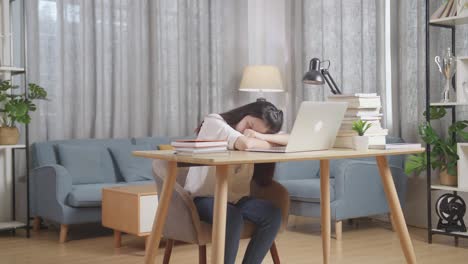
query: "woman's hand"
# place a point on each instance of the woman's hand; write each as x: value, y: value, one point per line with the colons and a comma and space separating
x: 250, y: 133
x: 253, y: 134
x: 276, y: 139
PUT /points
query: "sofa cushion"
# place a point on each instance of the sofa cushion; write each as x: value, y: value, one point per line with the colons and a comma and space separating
x: 307, y: 190
x: 152, y: 141
x: 132, y: 168
x: 86, y: 164
x: 90, y: 195
x: 297, y: 170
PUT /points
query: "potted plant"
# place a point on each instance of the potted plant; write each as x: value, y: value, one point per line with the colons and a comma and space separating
x: 444, y: 155
x: 361, y: 142
x: 15, y: 108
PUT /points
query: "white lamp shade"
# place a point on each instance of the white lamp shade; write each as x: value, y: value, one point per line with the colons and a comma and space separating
x: 261, y: 78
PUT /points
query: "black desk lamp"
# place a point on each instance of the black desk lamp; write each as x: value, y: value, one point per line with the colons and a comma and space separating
x: 316, y: 76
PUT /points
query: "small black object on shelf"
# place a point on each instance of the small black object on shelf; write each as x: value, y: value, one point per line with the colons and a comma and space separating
x: 451, y: 208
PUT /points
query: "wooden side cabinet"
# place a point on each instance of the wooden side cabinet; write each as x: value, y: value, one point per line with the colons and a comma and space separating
x: 129, y: 209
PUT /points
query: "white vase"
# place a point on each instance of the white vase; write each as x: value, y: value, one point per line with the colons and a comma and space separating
x: 361, y: 143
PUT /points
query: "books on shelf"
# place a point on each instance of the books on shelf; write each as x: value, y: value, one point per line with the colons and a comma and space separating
x: 396, y: 146
x: 199, y: 146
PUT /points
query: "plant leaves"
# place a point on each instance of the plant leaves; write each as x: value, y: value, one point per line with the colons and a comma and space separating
x: 415, y: 163
x: 436, y: 112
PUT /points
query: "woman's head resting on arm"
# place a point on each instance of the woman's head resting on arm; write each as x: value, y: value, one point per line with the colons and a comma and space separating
x: 260, y: 116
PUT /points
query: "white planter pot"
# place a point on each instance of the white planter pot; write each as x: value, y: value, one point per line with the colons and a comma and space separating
x: 361, y: 143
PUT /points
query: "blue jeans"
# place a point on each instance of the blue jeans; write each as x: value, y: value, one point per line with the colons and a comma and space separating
x: 263, y: 214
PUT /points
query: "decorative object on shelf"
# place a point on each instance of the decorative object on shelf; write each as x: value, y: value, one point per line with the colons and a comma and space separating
x: 318, y: 75
x: 16, y: 108
x: 361, y: 142
x: 451, y: 209
x: 448, y: 179
x: 260, y: 79
x: 462, y: 8
x: 443, y: 153
x: 447, y: 67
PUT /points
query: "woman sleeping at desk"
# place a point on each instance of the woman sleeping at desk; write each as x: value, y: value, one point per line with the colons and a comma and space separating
x: 254, y: 125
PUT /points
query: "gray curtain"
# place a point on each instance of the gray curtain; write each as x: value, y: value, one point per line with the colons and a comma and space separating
x: 123, y: 68
x: 132, y: 68
x: 409, y: 19
x: 136, y: 68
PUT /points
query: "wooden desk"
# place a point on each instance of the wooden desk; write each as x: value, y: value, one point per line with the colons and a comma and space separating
x: 221, y: 161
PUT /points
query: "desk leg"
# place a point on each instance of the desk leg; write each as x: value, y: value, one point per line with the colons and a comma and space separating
x: 325, y: 208
x: 219, y: 217
x: 160, y: 219
x: 395, y: 209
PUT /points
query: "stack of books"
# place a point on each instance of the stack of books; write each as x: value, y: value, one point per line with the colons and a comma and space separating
x: 364, y: 107
x: 449, y: 8
x: 195, y: 146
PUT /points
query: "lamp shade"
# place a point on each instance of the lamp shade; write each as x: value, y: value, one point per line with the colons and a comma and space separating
x: 261, y: 78
x: 314, y: 76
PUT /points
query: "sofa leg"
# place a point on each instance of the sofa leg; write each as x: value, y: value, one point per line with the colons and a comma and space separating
x: 168, y: 251
x: 63, y: 233
x: 274, y: 254
x: 202, y: 254
x: 338, y: 230
x: 117, y: 239
x: 36, y: 224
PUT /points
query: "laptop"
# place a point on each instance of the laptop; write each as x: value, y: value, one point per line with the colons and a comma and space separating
x: 315, y: 127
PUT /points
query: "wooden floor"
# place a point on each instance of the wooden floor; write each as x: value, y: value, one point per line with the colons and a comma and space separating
x: 371, y: 242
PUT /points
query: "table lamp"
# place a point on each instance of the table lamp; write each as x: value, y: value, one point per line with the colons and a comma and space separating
x: 261, y: 78
x: 318, y: 75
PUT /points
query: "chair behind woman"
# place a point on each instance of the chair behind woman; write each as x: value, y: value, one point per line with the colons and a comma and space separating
x: 183, y: 222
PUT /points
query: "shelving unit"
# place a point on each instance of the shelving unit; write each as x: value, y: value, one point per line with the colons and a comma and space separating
x: 449, y: 23
x: 450, y: 104
x: 7, y: 71
x: 448, y: 188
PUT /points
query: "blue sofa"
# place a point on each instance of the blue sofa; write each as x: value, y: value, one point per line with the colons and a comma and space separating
x: 68, y: 176
x: 355, y: 187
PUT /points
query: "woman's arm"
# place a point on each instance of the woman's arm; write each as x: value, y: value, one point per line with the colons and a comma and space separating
x: 277, y: 139
x: 243, y: 143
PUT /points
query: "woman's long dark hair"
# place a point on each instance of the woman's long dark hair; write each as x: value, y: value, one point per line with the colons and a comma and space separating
x: 266, y: 111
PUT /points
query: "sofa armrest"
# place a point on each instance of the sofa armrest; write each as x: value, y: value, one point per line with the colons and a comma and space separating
x: 275, y: 193
x: 359, y: 182
x: 52, y: 184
